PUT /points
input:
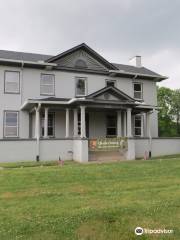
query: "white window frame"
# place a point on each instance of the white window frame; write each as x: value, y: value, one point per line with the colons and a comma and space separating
x: 52, y: 84
x: 5, y: 126
x: 141, y: 92
x: 5, y: 81
x: 76, y: 80
x: 109, y: 80
x: 141, y: 127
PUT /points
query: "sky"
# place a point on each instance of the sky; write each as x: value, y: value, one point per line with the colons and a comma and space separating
x: 117, y: 29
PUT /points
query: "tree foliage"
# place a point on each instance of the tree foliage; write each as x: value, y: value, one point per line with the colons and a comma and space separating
x: 169, y: 114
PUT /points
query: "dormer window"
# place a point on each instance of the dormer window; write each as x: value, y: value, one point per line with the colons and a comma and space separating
x: 80, y: 64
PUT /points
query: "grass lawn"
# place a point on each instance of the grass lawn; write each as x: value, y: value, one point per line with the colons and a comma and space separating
x: 93, y: 201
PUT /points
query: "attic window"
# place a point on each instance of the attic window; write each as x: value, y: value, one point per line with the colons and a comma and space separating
x: 80, y: 64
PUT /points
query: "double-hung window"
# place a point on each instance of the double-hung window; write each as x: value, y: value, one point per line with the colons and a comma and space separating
x: 138, y: 90
x: 138, y: 125
x: 47, y: 86
x: 51, y: 124
x: 81, y: 86
x: 12, y: 82
x: 11, y: 122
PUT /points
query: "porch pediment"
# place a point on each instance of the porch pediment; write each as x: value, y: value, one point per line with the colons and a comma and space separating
x: 110, y: 94
x: 82, y: 57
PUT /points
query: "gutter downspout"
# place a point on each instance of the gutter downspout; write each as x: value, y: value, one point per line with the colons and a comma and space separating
x: 22, y: 81
x: 150, y: 137
x: 38, y: 132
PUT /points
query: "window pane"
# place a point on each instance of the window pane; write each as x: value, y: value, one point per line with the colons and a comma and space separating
x: 80, y: 87
x: 138, y: 95
x: 11, y: 132
x: 137, y: 87
x: 50, y: 131
x: 111, y: 121
x: 110, y: 83
x: 138, y: 124
x: 47, y: 89
x: 11, y: 82
x: 137, y: 131
x: 111, y: 131
x: 111, y: 125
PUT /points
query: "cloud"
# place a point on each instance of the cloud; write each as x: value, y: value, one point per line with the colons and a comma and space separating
x: 117, y: 29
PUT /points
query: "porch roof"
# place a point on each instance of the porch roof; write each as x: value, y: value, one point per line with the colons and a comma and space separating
x: 107, y: 97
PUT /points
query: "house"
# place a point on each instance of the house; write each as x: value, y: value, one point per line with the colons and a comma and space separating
x: 76, y: 105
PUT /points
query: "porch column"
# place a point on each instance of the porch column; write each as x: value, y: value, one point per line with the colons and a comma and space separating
x: 45, y: 122
x: 37, y: 132
x: 37, y: 126
x: 129, y: 127
x: 75, y: 122
x: 83, y: 123
x: 148, y: 127
x: 124, y: 124
x: 67, y: 122
x: 119, y: 124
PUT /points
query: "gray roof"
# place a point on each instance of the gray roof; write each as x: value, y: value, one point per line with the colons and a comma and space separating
x: 42, y: 57
x: 53, y: 99
x: 23, y: 56
x: 133, y: 69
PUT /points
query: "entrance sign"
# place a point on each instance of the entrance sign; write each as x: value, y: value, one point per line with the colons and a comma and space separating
x: 108, y: 144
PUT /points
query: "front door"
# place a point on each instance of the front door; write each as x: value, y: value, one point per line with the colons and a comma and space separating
x: 111, y: 125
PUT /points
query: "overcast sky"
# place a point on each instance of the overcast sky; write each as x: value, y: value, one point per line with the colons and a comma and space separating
x: 117, y: 29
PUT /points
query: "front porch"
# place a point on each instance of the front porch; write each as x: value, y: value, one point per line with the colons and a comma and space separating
x: 106, y: 114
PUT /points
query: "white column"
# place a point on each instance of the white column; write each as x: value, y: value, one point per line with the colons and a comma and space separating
x: 83, y: 123
x: 124, y: 124
x: 37, y: 126
x: 45, y: 122
x: 119, y: 124
x: 37, y: 132
x: 67, y: 122
x: 148, y: 127
x: 129, y: 126
x: 75, y: 122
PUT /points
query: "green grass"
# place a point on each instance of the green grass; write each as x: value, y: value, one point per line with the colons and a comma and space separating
x: 89, y: 202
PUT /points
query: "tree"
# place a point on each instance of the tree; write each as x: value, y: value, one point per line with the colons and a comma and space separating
x: 175, y: 111
x: 165, y: 116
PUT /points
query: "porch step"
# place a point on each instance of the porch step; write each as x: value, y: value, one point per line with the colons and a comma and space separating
x: 107, y: 155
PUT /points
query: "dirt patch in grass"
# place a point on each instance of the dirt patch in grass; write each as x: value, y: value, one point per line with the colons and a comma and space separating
x: 90, y: 230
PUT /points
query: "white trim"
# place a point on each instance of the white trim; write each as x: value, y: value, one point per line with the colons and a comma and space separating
x: 138, y: 74
x: 28, y: 62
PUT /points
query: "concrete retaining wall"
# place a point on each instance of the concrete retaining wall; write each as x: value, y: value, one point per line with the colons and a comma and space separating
x: 158, y: 146
x: 53, y: 149
x: 14, y: 151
